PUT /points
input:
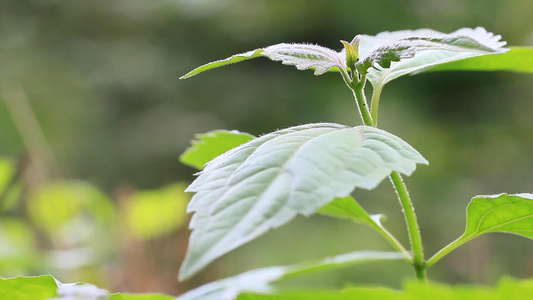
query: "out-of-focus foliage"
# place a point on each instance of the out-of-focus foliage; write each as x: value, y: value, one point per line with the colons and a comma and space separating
x: 48, y: 288
x: 10, y: 187
x: 155, y: 213
x: 101, y: 78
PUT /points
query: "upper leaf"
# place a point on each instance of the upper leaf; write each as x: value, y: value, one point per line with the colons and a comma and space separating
x: 264, y: 183
x: 303, y: 56
x: 212, y: 144
x: 259, y: 280
x: 390, y: 55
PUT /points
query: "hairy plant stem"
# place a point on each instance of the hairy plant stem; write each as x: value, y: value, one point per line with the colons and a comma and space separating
x: 412, y: 225
x: 403, y: 195
x: 357, y: 85
x: 374, y: 102
x: 444, y: 251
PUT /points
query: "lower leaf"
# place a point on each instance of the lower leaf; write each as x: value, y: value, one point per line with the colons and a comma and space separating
x: 496, y: 213
x: 259, y: 280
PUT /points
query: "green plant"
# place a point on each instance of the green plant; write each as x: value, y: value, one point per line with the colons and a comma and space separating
x: 255, y: 184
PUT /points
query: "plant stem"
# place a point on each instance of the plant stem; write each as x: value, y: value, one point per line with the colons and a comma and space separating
x: 374, y: 102
x: 393, y: 241
x: 357, y: 86
x: 403, y: 195
x: 444, y: 251
x: 412, y: 225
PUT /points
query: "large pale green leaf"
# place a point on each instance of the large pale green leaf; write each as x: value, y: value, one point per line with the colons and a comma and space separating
x: 302, y: 56
x: 259, y: 280
x: 266, y: 182
x: 518, y: 59
x: 431, y: 47
x: 210, y: 145
x: 497, y: 213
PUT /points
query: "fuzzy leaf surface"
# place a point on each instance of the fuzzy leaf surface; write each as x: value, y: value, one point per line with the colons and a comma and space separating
x: 259, y: 280
x: 517, y: 59
x: 302, y: 56
x: 390, y: 55
x: 210, y: 145
x: 266, y: 182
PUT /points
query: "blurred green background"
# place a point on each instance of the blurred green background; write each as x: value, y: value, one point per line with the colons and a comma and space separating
x: 93, y: 119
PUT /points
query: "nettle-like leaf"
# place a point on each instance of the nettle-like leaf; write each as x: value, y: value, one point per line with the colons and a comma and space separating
x: 390, y: 55
x: 259, y: 280
x: 303, y: 56
x: 266, y: 182
x: 211, y: 144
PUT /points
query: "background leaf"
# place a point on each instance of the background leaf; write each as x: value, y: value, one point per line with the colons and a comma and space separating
x: 259, y: 280
x: 264, y: 183
x: 28, y: 288
x: 156, y: 213
x: 210, y: 145
x: 518, y: 59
